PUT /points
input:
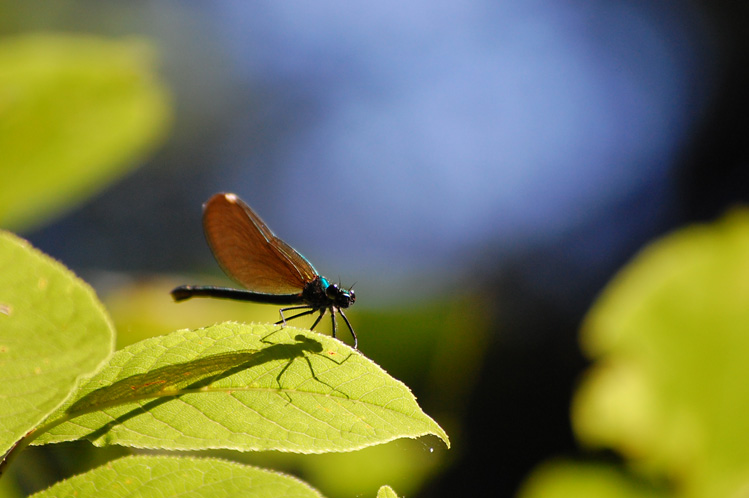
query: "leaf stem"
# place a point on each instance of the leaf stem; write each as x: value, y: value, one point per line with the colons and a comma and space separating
x: 14, y: 450
x: 28, y: 438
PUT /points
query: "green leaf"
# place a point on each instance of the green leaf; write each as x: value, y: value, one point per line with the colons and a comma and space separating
x: 564, y: 479
x: 386, y: 492
x: 171, y: 476
x: 406, y: 465
x: 671, y: 338
x: 75, y: 114
x: 53, y: 330
x: 244, y: 387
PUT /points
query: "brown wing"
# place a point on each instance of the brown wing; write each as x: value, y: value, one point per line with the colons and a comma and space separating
x: 249, y: 252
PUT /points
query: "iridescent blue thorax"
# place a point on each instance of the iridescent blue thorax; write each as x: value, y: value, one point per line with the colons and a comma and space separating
x: 321, y: 294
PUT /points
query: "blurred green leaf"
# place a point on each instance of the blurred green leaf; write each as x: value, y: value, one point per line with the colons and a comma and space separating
x: 245, y: 387
x: 171, y: 477
x: 75, y: 114
x: 404, y: 464
x: 53, y: 330
x: 562, y: 479
x: 9, y: 488
x: 670, y: 336
x: 386, y: 492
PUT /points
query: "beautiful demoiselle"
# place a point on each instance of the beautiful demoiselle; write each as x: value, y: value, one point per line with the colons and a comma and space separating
x: 271, y: 270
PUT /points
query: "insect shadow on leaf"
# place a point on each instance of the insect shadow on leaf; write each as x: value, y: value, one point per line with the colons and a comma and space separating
x: 307, y: 346
x: 172, y: 381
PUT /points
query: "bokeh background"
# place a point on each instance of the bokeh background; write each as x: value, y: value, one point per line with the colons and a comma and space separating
x: 479, y: 170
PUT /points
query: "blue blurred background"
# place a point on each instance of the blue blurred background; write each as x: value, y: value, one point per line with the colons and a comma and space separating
x: 515, y: 154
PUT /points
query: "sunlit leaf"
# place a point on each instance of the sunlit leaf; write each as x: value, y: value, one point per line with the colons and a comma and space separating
x: 53, y: 330
x: 386, y: 492
x: 670, y: 336
x: 75, y: 113
x: 245, y: 387
x: 178, y: 477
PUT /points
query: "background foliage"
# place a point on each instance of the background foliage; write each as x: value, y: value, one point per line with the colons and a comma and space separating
x: 77, y: 112
x: 669, y: 340
x: 481, y: 172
